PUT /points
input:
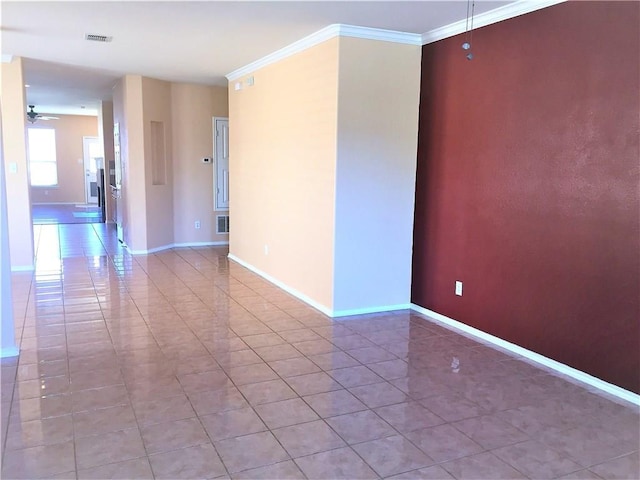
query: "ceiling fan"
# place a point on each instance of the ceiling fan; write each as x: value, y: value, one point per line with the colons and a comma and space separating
x: 33, y: 116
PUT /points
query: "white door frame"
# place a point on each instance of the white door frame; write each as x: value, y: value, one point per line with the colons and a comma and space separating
x: 89, y: 176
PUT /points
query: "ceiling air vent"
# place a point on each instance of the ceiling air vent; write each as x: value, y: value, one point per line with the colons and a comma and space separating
x: 97, y: 38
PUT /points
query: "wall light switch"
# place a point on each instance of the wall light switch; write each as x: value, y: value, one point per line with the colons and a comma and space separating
x: 459, y: 288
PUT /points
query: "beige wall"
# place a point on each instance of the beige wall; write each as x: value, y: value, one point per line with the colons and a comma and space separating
x: 14, y: 108
x: 282, y: 170
x: 69, y: 154
x: 193, y: 107
x: 156, y: 106
x: 158, y: 216
x: 128, y: 112
x: 379, y: 95
x: 322, y: 168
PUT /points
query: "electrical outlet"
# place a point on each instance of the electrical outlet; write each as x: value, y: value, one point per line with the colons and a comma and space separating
x: 459, y: 288
x: 197, y: 224
x: 266, y: 249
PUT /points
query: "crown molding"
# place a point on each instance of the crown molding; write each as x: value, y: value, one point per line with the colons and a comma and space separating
x: 496, y: 15
x: 499, y: 14
x: 379, y: 34
x: 331, y: 31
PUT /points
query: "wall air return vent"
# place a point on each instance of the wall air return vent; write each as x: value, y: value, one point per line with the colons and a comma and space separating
x: 222, y: 223
x: 97, y: 38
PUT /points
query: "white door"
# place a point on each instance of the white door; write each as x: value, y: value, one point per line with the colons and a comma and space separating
x: 93, y: 158
x: 221, y: 170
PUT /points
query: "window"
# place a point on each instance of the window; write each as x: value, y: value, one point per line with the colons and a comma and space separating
x: 42, y: 157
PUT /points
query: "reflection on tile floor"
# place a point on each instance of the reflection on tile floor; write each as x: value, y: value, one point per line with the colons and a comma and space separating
x: 185, y: 365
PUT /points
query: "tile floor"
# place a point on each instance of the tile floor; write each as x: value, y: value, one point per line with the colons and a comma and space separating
x: 185, y: 365
x: 55, y: 213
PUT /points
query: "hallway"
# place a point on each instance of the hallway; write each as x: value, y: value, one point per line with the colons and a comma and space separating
x: 52, y: 214
x: 183, y: 364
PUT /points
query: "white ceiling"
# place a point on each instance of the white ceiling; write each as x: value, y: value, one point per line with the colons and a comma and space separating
x: 188, y: 41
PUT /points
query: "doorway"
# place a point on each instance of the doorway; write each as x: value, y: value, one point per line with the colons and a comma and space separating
x: 93, y: 163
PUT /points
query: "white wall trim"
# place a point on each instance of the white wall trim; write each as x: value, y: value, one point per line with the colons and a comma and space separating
x: 331, y: 31
x: 496, y: 15
x: 367, y: 33
x: 533, y: 356
x: 201, y: 244
x: 364, y: 311
x: 9, y: 352
x: 149, y: 251
x: 324, y: 309
x: 299, y: 295
x: 340, y: 30
x: 176, y: 245
x: 23, y: 268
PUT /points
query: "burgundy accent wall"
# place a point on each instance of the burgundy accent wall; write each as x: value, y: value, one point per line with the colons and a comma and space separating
x: 528, y: 185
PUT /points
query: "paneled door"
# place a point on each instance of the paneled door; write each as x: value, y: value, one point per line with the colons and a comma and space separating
x: 221, y: 170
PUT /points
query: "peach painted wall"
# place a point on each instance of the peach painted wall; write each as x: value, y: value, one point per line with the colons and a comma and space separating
x: 378, y: 100
x: 282, y: 170
x: 134, y: 221
x: 15, y: 159
x: 161, y: 215
x: 193, y: 107
x: 69, y: 154
x: 156, y: 107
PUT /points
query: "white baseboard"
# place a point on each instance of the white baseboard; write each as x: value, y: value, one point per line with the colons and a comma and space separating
x: 299, y: 295
x: 323, y: 308
x: 23, y: 268
x: 147, y: 252
x: 221, y: 243
x: 364, y: 311
x: 530, y: 355
x: 175, y: 245
x: 7, y: 352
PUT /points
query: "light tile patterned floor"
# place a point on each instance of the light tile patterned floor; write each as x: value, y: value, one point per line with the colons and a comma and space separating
x: 185, y: 365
